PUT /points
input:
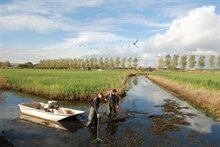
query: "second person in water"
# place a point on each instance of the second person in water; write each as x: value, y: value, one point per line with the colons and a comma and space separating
x: 113, y: 102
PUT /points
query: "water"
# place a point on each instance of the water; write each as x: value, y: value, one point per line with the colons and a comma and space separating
x: 156, y: 118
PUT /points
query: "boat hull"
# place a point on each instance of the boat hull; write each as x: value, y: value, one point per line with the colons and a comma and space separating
x: 47, y: 115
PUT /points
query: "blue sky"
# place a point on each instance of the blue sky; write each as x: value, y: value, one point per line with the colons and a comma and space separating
x: 31, y: 30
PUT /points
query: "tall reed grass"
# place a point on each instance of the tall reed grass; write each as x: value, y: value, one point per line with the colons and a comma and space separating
x: 64, y: 84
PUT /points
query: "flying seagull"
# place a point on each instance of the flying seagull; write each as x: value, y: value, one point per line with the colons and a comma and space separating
x: 135, y: 43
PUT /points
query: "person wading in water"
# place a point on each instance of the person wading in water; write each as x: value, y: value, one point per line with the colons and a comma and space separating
x: 94, y: 113
x: 113, y: 101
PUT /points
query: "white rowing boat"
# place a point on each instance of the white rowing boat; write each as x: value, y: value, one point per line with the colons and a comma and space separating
x: 43, y: 111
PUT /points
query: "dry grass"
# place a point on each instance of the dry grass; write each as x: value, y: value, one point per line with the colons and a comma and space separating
x: 207, y: 100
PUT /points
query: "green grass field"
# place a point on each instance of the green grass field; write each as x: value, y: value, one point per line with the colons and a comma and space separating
x: 207, y: 80
x: 63, y: 83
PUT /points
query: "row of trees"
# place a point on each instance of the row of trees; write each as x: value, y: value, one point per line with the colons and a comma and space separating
x: 95, y: 63
x: 171, y: 63
x: 5, y: 64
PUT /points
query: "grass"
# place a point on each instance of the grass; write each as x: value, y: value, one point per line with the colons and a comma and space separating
x: 201, y: 89
x: 207, y: 80
x: 63, y: 84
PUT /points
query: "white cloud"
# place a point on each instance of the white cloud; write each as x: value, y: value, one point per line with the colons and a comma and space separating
x: 175, y: 11
x: 42, y: 16
x: 200, y: 29
x: 31, y: 22
x: 46, y: 6
x: 142, y: 21
x: 45, y: 16
x: 132, y: 19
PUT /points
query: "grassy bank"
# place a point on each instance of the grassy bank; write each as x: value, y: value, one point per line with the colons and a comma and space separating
x: 200, y: 88
x: 64, y: 84
x: 207, y: 80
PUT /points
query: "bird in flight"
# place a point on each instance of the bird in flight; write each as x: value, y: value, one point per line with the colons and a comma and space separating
x: 135, y: 43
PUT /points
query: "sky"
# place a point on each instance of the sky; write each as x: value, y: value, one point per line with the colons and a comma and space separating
x: 31, y: 30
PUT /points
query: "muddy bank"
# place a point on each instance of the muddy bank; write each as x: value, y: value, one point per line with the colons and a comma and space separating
x: 86, y: 97
x: 206, y: 100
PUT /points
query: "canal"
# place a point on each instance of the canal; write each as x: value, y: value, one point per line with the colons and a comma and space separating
x: 151, y: 117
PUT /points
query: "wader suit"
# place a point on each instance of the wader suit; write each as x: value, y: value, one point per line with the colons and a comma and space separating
x: 92, y: 118
x: 113, y: 103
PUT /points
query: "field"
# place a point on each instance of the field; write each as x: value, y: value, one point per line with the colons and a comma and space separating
x: 63, y: 84
x: 207, y: 80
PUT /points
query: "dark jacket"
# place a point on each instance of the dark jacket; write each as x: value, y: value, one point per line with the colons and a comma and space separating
x: 95, y: 104
x: 113, y: 99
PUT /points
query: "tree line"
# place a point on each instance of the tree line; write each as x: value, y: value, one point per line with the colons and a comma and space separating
x: 5, y: 64
x: 94, y: 63
x: 172, y: 62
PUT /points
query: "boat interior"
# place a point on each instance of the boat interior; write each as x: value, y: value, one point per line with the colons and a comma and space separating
x: 34, y: 105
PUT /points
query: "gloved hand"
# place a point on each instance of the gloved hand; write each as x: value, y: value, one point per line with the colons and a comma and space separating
x: 117, y: 106
x: 98, y: 115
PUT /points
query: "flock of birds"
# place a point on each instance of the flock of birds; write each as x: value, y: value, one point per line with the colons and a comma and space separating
x: 109, y: 47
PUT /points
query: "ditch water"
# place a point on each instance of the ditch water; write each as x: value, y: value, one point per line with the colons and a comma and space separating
x: 154, y: 118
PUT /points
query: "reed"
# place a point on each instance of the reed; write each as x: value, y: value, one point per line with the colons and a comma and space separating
x: 65, y: 84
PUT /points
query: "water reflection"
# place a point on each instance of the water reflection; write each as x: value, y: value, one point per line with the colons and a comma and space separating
x: 2, y: 99
x: 147, y: 97
x: 92, y: 132
x: 111, y: 128
x: 201, y: 124
x: 72, y: 124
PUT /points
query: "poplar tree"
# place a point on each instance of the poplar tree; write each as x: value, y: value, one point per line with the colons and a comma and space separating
x: 218, y: 62
x: 192, y: 61
x: 106, y: 63
x: 129, y: 62
x: 123, y: 62
x: 117, y: 62
x: 135, y: 63
x: 168, y: 61
x: 160, y: 63
x: 183, y: 63
x: 174, y: 62
x: 201, y: 62
x: 101, y: 63
x: 112, y: 63
x: 212, y: 61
